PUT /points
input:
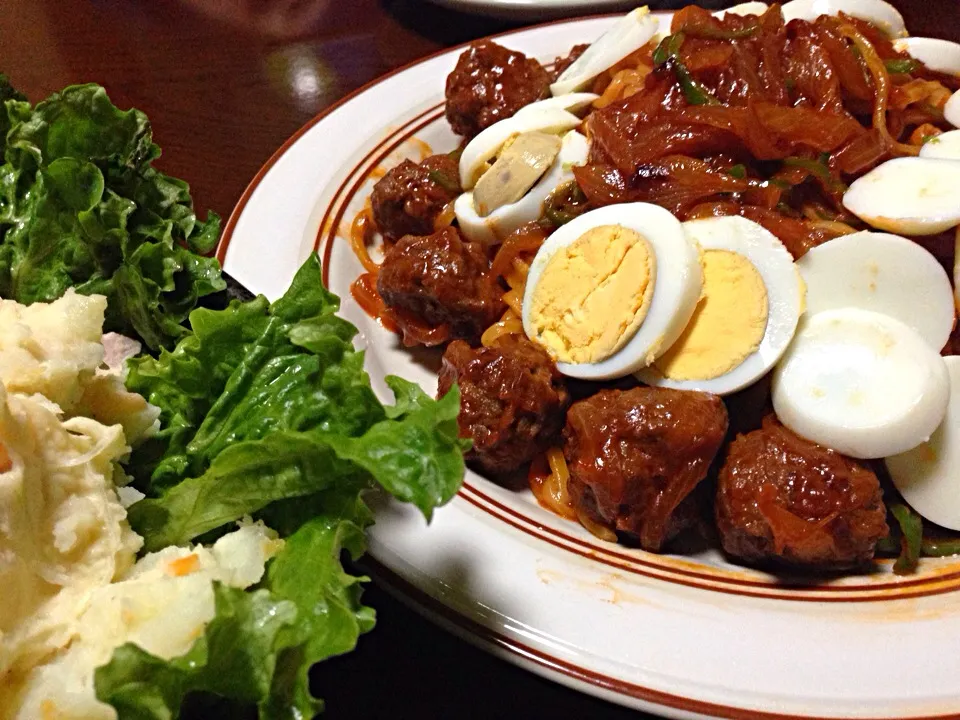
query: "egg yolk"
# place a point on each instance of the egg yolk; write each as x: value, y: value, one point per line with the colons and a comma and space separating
x: 594, y: 294
x: 728, y: 324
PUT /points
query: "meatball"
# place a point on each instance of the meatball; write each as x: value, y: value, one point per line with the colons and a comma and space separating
x: 513, y: 401
x: 440, y: 281
x: 635, y: 455
x: 785, y: 500
x: 408, y: 199
x: 491, y: 83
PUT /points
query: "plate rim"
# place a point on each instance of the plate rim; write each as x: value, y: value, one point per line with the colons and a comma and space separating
x: 466, y: 627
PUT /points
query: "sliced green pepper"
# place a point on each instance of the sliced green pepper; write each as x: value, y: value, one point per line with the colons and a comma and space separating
x: 911, y: 538
x: 694, y: 92
x: 668, y: 48
x: 936, y: 547
x: 901, y: 66
x: 444, y: 181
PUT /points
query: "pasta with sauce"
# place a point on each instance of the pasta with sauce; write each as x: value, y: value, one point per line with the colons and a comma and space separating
x: 746, y: 116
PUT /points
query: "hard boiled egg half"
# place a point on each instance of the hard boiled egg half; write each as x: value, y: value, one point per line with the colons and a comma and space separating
x: 491, y: 222
x: 862, y: 383
x: 928, y: 476
x: 612, y: 289
x: 882, y: 273
x: 511, y: 168
x: 751, y: 302
x: 863, y: 374
x: 627, y: 35
x: 951, y: 111
x: 909, y: 195
x: 938, y: 55
x: 945, y: 146
x: 748, y: 8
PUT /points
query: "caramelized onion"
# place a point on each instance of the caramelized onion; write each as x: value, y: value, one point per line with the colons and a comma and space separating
x: 525, y: 239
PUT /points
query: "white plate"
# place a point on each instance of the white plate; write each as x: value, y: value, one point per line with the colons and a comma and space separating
x: 533, y: 9
x: 690, y: 636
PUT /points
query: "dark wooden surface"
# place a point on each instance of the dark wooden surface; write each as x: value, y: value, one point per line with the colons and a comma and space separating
x: 225, y: 82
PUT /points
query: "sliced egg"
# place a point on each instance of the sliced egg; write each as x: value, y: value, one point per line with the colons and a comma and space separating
x: 951, y: 111
x: 612, y: 289
x: 928, y: 476
x: 883, y: 273
x: 485, y: 146
x: 628, y: 34
x: 501, y: 222
x: 862, y: 383
x: 752, y: 301
x: 747, y: 8
x: 908, y: 195
x: 956, y: 267
x: 938, y: 55
x: 571, y: 102
x: 877, y: 12
x: 945, y: 146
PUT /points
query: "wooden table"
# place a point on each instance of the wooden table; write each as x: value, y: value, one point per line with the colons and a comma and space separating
x: 219, y: 84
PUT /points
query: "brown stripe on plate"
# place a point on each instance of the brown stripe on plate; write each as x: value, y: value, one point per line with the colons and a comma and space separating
x: 472, y: 630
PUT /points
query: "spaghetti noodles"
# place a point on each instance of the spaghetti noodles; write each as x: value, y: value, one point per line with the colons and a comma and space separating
x: 881, y: 83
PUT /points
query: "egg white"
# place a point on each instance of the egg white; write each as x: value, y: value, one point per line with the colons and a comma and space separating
x: 627, y: 35
x: 501, y: 222
x: 485, y: 146
x: 928, y: 476
x: 862, y: 383
x: 882, y: 14
x: 571, y: 102
x: 784, y: 299
x: 938, y: 55
x: 945, y: 146
x: 883, y: 273
x: 908, y: 195
x: 747, y: 8
x: 951, y: 111
x: 679, y: 279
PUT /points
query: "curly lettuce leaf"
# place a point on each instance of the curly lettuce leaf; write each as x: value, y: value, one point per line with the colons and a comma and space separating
x: 81, y: 206
x: 266, y: 411
x: 246, y: 372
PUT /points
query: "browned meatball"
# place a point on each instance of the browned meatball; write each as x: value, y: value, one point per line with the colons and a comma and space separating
x: 512, y: 401
x: 439, y: 281
x: 565, y: 61
x: 491, y: 83
x: 635, y: 455
x: 408, y: 199
x: 785, y: 500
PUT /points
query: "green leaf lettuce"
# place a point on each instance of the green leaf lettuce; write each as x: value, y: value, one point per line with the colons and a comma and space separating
x: 81, y: 206
x: 266, y: 411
